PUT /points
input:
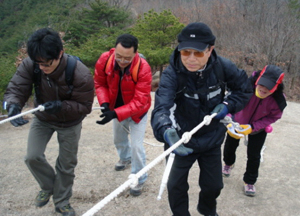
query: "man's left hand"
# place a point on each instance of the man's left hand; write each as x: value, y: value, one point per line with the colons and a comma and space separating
x: 107, y: 117
x: 221, y: 110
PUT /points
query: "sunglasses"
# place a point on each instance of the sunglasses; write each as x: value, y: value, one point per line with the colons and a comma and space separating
x: 124, y: 61
x: 188, y: 53
x: 45, y: 65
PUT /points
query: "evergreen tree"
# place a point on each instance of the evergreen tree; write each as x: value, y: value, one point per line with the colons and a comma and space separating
x: 157, y: 35
x: 90, y: 21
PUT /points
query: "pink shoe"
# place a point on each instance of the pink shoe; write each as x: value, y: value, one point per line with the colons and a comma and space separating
x: 226, y: 170
x: 249, y: 189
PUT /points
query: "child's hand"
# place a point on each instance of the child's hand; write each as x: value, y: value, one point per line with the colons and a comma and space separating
x: 244, y: 129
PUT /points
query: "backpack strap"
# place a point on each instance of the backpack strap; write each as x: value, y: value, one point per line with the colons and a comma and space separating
x: 69, y: 73
x: 108, y: 62
x: 219, y: 72
x: 69, y: 76
x: 135, y: 68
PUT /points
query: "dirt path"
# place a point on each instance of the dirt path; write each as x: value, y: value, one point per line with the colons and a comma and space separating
x: 277, y: 187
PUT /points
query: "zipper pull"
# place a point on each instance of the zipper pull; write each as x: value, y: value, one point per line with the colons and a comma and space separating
x: 48, y: 80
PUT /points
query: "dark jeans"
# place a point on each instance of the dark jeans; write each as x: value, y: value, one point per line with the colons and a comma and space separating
x: 255, y: 144
x: 210, y: 182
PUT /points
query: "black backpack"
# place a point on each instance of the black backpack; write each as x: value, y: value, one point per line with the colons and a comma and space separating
x: 69, y: 75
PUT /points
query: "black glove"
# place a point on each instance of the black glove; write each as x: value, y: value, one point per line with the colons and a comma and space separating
x: 221, y: 110
x: 106, y: 107
x: 171, y: 137
x: 15, y: 109
x: 52, y: 107
x: 107, y: 117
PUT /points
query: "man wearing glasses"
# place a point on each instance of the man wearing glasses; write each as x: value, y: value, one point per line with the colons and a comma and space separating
x: 125, y: 100
x: 177, y: 111
x: 63, y: 114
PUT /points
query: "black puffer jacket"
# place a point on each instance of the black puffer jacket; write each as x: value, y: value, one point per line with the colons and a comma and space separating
x: 203, y: 94
x: 74, y: 107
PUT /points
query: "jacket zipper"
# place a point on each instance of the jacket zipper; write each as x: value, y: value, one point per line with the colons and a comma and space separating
x: 255, y: 111
x: 48, y: 80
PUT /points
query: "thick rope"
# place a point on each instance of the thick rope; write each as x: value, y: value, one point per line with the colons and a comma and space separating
x: 133, y: 178
x: 39, y: 108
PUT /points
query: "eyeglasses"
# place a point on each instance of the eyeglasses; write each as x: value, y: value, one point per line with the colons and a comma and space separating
x: 124, y: 61
x: 188, y: 53
x: 45, y: 65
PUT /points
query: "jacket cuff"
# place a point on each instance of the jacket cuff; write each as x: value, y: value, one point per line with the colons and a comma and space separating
x: 230, y: 107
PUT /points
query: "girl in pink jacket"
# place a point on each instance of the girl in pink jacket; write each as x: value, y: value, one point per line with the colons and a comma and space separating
x: 264, y: 108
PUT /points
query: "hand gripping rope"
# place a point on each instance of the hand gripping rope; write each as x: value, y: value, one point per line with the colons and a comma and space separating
x: 268, y: 129
x: 185, y: 139
x: 133, y: 178
x: 39, y: 108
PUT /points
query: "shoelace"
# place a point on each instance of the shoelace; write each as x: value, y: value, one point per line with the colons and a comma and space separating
x: 66, y: 208
x: 227, y: 168
x: 250, y: 187
x: 43, y: 195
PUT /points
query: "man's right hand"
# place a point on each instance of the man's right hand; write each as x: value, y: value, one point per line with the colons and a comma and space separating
x: 171, y: 137
x: 15, y: 109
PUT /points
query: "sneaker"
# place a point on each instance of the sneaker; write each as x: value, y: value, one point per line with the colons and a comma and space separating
x: 121, y: 165
x: 137, y: 190
x: 42, y: 198
x: 67, y: 210
x: 226, y: 170
x: 249, y: 189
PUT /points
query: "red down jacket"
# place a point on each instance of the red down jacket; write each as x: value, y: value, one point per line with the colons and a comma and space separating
x: 136, y: 95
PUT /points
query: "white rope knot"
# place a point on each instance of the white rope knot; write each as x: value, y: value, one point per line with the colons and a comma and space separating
x: 207, y: 119
x: 135, y: 180
x: 186, y: 137
x: 41, y: 108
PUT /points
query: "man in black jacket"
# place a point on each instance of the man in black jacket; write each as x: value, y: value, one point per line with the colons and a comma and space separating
x: 179, y: 110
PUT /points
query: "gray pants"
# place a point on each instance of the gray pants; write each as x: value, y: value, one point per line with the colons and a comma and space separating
x: 58, y: 183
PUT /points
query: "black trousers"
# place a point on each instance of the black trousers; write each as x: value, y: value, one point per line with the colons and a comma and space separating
x: 255, y: 144
x: 210, y: 182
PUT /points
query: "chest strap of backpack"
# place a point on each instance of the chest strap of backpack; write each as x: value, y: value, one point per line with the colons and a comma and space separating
x: 135, y: 68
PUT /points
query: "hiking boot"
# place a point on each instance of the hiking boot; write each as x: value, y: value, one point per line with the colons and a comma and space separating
x: 137, y: 190
x: 206, y: 214
x: 42, y: 198
x: 121, y: 165
x: 249, y: 189
x: 67, y: 210
x: 226, y: 170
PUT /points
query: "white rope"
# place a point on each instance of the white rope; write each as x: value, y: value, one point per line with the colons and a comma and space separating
x: 165, y: 178
x: 97, y: 108
x: 133, y: 177
x: 185, y: 139
x: 39, y: 108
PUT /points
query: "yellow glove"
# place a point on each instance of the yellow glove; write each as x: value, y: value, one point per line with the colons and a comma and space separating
x: 244, y: 129
x: 232, y: 132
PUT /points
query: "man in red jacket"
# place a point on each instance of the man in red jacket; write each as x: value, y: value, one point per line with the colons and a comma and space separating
x: 123, y: 85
